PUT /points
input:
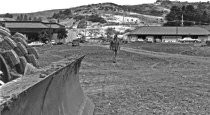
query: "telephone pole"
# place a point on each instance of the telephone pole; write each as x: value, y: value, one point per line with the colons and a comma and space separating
x: 182, y: 21
x: 123, y: 18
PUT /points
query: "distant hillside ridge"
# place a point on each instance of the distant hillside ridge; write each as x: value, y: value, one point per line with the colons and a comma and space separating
x: 160, y: 8
x: 147, y: 9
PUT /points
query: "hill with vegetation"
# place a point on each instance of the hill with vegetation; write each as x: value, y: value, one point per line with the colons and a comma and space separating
x: 148, y: 9
x: 145, y: 12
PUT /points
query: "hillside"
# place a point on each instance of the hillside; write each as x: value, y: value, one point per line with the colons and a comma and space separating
x: 147, y: 9
x: 156, y: 9
x: 147, y: 13
x: 44, y: 14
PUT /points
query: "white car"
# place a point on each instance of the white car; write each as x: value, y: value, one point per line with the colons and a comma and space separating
x: 37, y: 43
x: 52, y: 42
x: 189, y: 39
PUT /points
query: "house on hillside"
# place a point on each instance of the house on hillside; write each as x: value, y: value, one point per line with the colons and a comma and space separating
x: 168, y: 34
x: 32, y: 28
x: 126, y: 19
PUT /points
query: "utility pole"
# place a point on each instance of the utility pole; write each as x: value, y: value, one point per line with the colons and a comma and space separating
x: 176, y: 30
x: 85, y: 26
x: 182, y: 21
x: 123, y: 17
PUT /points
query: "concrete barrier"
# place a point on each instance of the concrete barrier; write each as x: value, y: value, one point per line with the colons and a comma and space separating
x: 59, y: 93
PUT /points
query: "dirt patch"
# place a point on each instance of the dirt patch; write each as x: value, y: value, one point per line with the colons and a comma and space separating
x: 139, y: 83
x: 184, y: 49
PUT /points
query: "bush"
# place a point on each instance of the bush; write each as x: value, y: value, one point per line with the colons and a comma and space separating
x: 96, y: 18
x: 208, y: 43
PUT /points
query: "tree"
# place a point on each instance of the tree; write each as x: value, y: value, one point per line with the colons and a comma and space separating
x: 35, y: 19
x: 29, y: 18
x: 7, y: 15
x: 45, y: 35
x: 25, y: 18
x: 110, y: 32
x: 204, y: 17
x: 174, y: 14
x: 63, y: 14
x: 21, y: 17
x: 62, y: 33
x: 191, y: 16
x: 82, y: 24
x: 78, y: 17
x: 67, y: 12
x: 189, y: 12
x: 96, y: 18
x: 18, y: 18
x: 55, y: 15
x: 39, y: 19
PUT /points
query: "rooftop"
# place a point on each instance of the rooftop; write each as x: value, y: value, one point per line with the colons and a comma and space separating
x: 170, y: 31
x: 31, y: 24
x: 54, y: 25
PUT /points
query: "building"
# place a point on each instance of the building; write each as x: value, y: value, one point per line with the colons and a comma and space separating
x: 31, y: 28
x: 207, y: 27
x: 168, y: 34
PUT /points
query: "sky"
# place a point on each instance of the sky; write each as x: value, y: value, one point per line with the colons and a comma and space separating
x: 27, y: 6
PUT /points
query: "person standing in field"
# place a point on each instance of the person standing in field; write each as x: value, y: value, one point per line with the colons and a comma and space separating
x: 115, y: 47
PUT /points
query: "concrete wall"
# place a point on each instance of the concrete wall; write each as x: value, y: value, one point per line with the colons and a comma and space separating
x: 59, y: 93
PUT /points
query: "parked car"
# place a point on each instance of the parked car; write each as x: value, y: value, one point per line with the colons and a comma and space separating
x: 189, y: 39
x: 36, y: 43
x: 75, y: 43
x: 53, y: 42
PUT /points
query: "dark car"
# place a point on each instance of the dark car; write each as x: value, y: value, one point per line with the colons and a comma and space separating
x: 75, y: 43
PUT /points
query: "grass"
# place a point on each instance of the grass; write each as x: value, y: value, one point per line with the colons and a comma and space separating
x: 184, y: 49
x: 138, y: 84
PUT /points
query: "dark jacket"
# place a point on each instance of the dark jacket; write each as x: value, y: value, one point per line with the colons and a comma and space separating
x: 115, y: 44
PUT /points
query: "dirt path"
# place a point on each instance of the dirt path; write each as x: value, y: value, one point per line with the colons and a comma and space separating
x: 163, y: 55
x: 167, y: 55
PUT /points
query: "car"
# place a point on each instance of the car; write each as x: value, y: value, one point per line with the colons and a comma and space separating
x: 75, y: 43
x: 189, y: 39
x: 53, y: 42
x: 36, y: 43
x: 59, y: 43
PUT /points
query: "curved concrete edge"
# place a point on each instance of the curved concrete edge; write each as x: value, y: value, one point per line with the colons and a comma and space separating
x: 87, y: 107
x: 59, y: 93
x: 4, y: 32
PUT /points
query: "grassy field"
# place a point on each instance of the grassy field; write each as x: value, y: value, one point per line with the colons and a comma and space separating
x: 138, y: 84
x: 184, y: 49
